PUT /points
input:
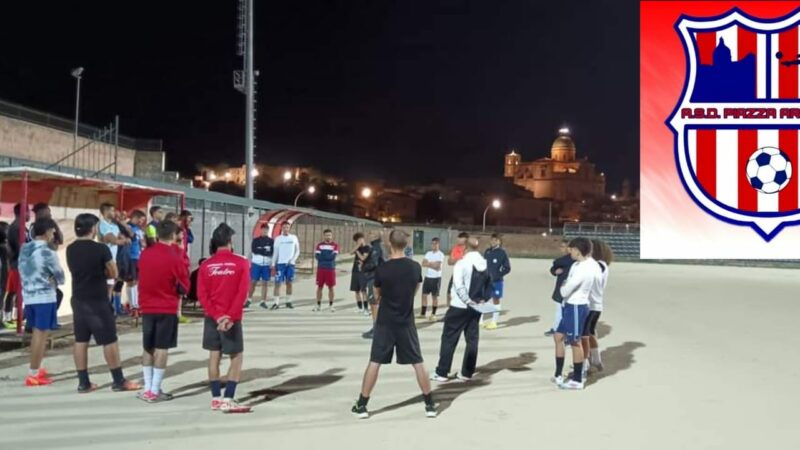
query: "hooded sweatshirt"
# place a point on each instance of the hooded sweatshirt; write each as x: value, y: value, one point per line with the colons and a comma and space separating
x: 462, y: 276
x: 40, y: 271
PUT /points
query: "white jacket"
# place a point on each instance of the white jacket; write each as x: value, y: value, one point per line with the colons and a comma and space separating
x: 582, y: 277
x: 462, y: 276
x: 286, y: 250
x: 599, y: 287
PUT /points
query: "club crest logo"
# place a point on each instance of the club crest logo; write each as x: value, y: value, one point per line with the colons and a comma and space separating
x: 736, y: 124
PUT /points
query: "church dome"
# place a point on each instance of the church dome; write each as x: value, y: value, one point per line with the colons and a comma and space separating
x: 563, y: 142
x: 563, y: 148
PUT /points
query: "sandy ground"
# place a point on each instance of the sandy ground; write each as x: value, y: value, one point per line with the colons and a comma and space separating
x: 695, y: 358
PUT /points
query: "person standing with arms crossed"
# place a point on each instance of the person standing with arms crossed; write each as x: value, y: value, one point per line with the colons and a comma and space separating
x: 326, y: 253
x: 499, y: 266
x: 396, y: 284
x: 560, y: 270
x: 287, y: 250
x: 432, y: 261
x: 261, y: 250
x: 223, y: 282
x: 358, y: 283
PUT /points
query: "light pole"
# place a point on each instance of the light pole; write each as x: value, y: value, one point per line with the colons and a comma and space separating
x: 77, y: 72
x: 311, y: 190
x: 496, y: 205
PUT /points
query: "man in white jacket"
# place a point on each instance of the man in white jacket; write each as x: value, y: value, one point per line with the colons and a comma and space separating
x: 575, y: 291
x: 460, y: 318
x: 284, y: 258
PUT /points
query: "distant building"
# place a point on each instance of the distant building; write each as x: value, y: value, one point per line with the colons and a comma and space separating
x: 560, y: 177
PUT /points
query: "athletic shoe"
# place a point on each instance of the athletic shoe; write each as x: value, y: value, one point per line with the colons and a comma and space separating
x: 491, y: 325
x: 229, y: 406
x: 432, y: 318
x: 216, y: 404
x: 571, y: 385
x: 550, y: 332
x: 368, y: 334
x: 366, y: 313
x: 360, y: 411
x: 10, y: 325
x: 183, y: 320
x: 289, y: 305
x: 248, y: 303
x: 430, y: 411
x: 150, y: 397
x: 332, y: 309
x: 315, y: 309
x: 37, y: 380
x: 86, y: 389
x: 463, y: 378
x: 126, y: 386
x: 273, y: 307
x: 438, y: 378
x: 598, y: 366
x: 559, y: 380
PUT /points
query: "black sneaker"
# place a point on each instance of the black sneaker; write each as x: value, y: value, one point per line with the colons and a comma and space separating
x: 289, y: 305
x: 430, y: 410
x: 247, y: 304
x: 549, y: 332
x: 274, y: 306
x: 360, y: 411
x: 368, y: 334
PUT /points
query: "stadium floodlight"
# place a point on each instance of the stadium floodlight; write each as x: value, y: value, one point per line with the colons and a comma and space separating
x: 496, y: 205
x: 287, y: 175
x: 563, y: 130
x: 77, y: 72
x: 311, y: 189
x: 366, y: 192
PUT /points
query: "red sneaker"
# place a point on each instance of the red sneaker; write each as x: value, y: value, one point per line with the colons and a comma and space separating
x: 216, y: 404
x: 37, y: 380
x: 229, y: 406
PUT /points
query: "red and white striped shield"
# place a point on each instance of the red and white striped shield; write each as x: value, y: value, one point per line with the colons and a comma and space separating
x: 736, y: 125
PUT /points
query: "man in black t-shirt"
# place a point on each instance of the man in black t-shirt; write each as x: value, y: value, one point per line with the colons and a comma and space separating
x: 90, y: 264
x: 396, y: 284
x: 358, y: 281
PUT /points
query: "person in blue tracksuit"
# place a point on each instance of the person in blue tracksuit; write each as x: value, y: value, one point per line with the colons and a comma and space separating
x: 499, y: 266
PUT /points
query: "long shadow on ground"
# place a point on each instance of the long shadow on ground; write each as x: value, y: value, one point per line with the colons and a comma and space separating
x: 615, y: 360
x: 516, y: 321
x: 248, y: 375
x: 292, y: 386
x: 445, y: 394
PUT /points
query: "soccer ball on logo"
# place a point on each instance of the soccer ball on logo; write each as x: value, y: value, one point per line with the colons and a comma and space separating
x: 769, y: 170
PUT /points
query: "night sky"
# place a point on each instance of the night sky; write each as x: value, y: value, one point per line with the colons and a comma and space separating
x: 409, y: 90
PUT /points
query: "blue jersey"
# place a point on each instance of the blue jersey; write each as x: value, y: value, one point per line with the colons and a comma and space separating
x: 136, y: 241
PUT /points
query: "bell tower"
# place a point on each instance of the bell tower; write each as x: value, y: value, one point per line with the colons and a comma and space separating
x: 512, y: 163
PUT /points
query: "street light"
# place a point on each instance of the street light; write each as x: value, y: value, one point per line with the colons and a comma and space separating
x: 254, y: 172
x: 496, y: 205
x: 287, y: 176
x: 77, y: 72
x: 310, y: 190
x: 366, y: 192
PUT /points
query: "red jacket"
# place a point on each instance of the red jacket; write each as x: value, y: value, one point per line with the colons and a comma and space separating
x: 222, y: 285
x: 163, y: 276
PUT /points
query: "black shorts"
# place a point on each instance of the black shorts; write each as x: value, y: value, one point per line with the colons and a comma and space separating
x: 159, y: 331
x: 387, y: 338
x: 369, y: 288
x: 431, y: 286
x: 589, y: 328
x: 228, y: 342
x: 358, y: 282
x: 94, y: 318
x: 133, y: 271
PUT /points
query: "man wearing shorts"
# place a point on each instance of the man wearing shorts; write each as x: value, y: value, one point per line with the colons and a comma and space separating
x: 499, y: 266
x: 40, y: 273
x: 432, y: 261
x: 110, y: 235
x: 222, y: 286
x: 287, y: 250
x: 575, y: 291
x: 358, y: 283
x: 374, y: 260
x: 396, y: 284
x: 560, y: 270
x: 90, y: 264
x: 13, y: 285
x: 326, y: 253
x: 138, y: 225
x: 163, y: 278
x: 260, y: 265
x: 456, y: 253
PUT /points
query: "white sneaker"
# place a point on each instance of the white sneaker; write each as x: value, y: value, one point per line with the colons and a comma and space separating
x: 559, y: 380
x: 572, y: 385
x: 598, y: 366
x: 463, y: 378
x: 316, y: 308
x: 332, y: 309
x: 438, y: 378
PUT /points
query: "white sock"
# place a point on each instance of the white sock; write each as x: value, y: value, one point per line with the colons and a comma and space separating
x: 134, y: 296
x: 158, y: 377
x: 288, y: 299
x: 496, y: 314
x: 277, y: 300
x: 586, y: 365
x: 596, y: 356
x: 147, y: 372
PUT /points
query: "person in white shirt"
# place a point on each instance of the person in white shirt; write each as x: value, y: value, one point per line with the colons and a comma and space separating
x: 601, y: 253
x: 460, y: 318
x: 433, y: 279
x: 284, y: 258
x: 575, y: 291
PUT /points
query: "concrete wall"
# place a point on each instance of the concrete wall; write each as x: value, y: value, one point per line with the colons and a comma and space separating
x: 27, y: 140
x: 149, y: 164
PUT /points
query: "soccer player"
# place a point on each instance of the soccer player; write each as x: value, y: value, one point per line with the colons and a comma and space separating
x: 137, y: 225
x: 460, y: 318
x: 601, y: 253
x: 374, y: 260
x: 110, y: 235
x: 358, y: 282
x: 287, y: 250
x: 575, y: 292
x: 163, y: 278
x: 396, y: 284
x: 13, y: 282
x: 456, y: 253
x: 91, y: 265
x: 499, y: 266
x: 262, y: 249
x: 151, y: 233
x: 432, y: 261
x: 223, y: 283
x: 326, y: 253
x: 560, y: 270
x: 7, y: 306
x: 40, y: 273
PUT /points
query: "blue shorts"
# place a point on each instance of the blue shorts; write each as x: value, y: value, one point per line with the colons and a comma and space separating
x: 41, y: 316
x: 573, y: 320
x: 260, y: 273
x: 284, y: 273
x: 497, y: 290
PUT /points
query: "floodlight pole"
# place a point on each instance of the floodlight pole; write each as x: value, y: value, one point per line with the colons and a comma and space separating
x: 250, y: 95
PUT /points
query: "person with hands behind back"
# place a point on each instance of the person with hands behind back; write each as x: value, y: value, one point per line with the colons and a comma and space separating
x: 222, y: 287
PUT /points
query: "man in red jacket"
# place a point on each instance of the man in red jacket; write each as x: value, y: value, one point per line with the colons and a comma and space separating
x: 222, y: 287
x: 163, y: 278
